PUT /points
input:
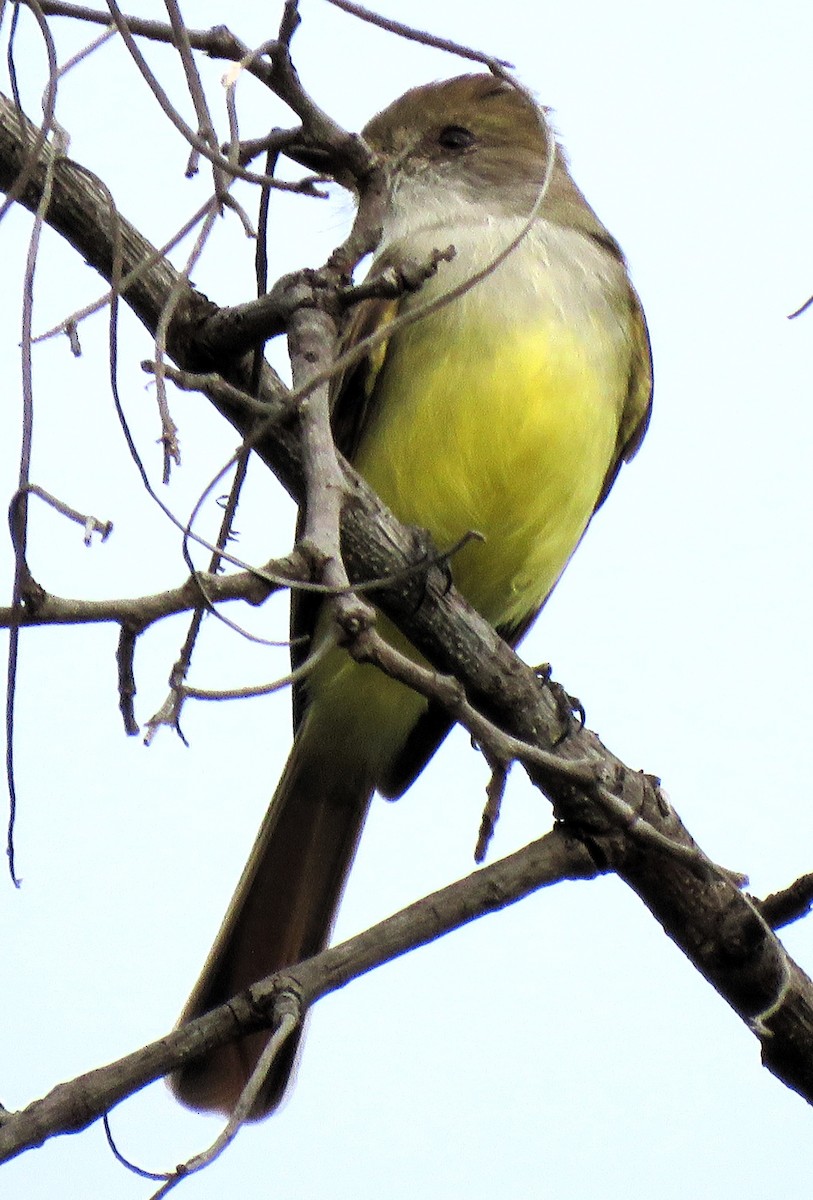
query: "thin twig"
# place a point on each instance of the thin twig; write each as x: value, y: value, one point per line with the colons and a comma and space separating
x: 89, y: 523
x: 17, y: 188
x: 19, y: 508
x: 86, y: 51
x: 233, y: 170
x: 142, y: 269
x: 170, y: 712
x: 125, y: 662
x: 304, y: 669
x: 194, y: 85
x: 494, y: 797
x: 169, y: 430
x: 218, y: 42
x: 125, y: 1162
x: 289, y: 1017
x: 253, y: 586
x: 788, y: 905
x: 552, y: 858
x: 801, y: 309
x: 419, y: 35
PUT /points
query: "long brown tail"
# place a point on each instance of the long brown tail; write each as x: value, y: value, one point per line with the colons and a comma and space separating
x: 282, y: 912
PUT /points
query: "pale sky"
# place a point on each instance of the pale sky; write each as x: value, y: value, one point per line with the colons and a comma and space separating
x: 564, y: 1047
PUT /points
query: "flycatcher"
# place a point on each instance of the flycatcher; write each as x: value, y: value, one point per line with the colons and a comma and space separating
x: 508, y: 411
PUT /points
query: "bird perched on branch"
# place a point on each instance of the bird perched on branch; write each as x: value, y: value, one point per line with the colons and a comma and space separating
x: 509, y: 411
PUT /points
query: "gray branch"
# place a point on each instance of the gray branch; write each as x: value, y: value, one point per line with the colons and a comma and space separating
x: 71, y: 1107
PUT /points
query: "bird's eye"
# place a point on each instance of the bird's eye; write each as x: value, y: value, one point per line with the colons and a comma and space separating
x: 455, y: 137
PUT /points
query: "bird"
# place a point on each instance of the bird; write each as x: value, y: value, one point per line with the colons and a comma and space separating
x: 508, y: 410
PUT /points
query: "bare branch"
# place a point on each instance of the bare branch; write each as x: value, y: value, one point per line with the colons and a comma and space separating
x: 239, y: 327
x: 73, y: 1106
x: 170, y: 712
x: 89, y: 523
x: 213, y: 384
x: 494, y: 797
x: 34, y: 140
x: 169, y: 430
x: 419, y: 35
x: 312, y: 341
x: 788, y: 905
x: 194, y: 84
x: 218, y: 42
x: 18, y: 513
x: 70, y: 324
x: 801, y: 309
x: 125, y: 661
x: 119, y: 1157
x: 252, y: 586
x: 288, y: 1016
x: 265, y: 689
x: 199, y: 143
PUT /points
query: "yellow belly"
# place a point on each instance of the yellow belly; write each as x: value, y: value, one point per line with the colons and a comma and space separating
x: 511, y: 436
x: 514, y: 441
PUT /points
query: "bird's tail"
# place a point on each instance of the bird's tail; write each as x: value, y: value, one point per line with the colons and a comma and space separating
x: 282, y: 912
